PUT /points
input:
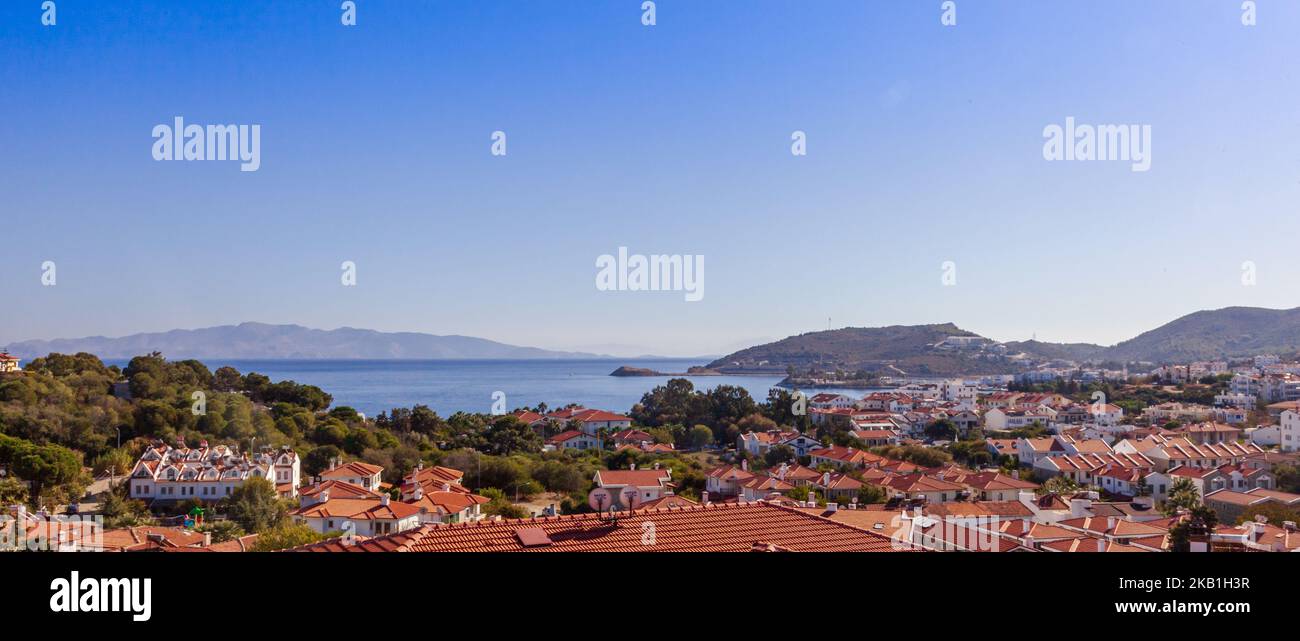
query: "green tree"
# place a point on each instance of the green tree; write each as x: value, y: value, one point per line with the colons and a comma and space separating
x: 119, y: 510
x: 1199, y: 521
x: 1275, y: 512
x: 12, y: 492
x: 508, y: 435
x: 869, y: 494
x: 227, y: 379
x: 701, y: 436
x: 255, y: 506
x: 942, y: 429
x: 288, y: 535
x: 1061, y: 485
x: 1183, y: 495
x: 222, y: 531
x: 47, y: 467
x: 116, y: 462
x: 778, y: 454
x: 499, y: 505
x: 318, y: 460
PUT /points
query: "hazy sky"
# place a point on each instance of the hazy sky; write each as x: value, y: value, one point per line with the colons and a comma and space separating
x: 925, y: 145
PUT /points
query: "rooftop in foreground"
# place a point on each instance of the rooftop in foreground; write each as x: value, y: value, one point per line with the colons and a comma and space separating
x: 733, y: 527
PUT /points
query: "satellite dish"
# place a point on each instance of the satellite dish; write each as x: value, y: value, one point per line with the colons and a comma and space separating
x: 631, y: 497
x: 600, y: 499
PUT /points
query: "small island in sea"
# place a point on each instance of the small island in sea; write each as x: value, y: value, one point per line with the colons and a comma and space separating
x: 628, y: 370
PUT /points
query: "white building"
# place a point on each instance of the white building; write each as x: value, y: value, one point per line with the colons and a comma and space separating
x: 957, y: 391
x: 827, y: 401
x: 166, y: 473
x: 650, y: 484
x: 1289, y: 432
x: 1264, y: 435
x: 365, y: 515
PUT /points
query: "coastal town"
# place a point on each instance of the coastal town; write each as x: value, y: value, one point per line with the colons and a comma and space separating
x: 1190, y: 457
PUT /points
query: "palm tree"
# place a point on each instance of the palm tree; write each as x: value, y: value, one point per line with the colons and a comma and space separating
x: 1183, y: 495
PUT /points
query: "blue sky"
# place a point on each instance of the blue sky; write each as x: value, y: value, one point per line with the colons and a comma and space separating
x: 924, y: 146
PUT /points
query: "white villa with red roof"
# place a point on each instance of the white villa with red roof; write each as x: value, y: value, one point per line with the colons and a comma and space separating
x: 363, y: 475
x: 367, y: 515
x: 8, y: 363
x: 438, y: 491
x: 166, y: 473
x: 590, y: 421
x: 651, y: 484
x: 574, y: 440
x: 758, y: 443
x: 827, y: 400
x: 428, y: 495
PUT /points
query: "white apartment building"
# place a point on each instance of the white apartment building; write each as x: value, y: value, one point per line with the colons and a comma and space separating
x: 1289, y: 432
x: 166, y: 473
x: 1280, y: 387
x: 1244, y: 385
x: 1239, y: 401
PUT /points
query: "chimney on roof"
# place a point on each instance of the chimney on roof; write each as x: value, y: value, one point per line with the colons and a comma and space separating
x: 633, y: 468
x: 656, y: 465
x: 418, y: 493
x: 1289, y: 526
x: 1101, y: 545
x: 832, y: 507
x: 1015, y: 474
x: 323, y: 495
x: 1110, y: 523
x: 744, y: 464
x: 826, y: 479
x: 780, y: 473
x: 1024, y: 526
x: 384, y: 498
x: 704, y: 497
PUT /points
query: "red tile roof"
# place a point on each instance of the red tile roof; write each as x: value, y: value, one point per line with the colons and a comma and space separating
x: 639, y: 478
x: 712, y: 528
x: 598, y: 416
x: 134, y: 539
x: 564, y: 436
x: 357, y: 509
x: 338, y: 490
x: 353, y: 469
x: 449, y: 502
x: 921, y: 483
x: 993, y: 481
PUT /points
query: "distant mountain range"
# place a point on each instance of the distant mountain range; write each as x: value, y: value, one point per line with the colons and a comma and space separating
x: 263, y: 341
x: 1232, y: 332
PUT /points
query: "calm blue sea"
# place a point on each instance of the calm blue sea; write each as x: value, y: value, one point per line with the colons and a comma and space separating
x: 448, y: 386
